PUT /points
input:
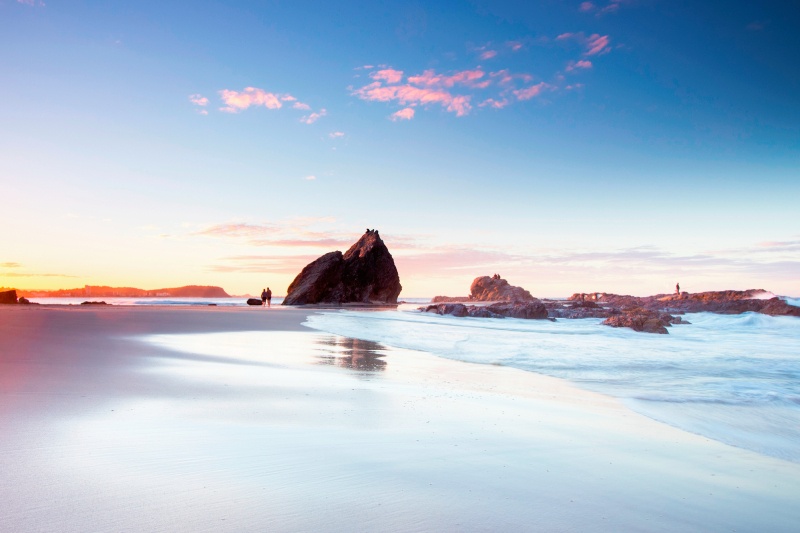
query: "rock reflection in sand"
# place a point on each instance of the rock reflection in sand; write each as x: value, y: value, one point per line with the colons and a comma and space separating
x: 351, y: 353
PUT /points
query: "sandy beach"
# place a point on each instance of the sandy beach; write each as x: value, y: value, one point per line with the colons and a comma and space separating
x: 242, y: 419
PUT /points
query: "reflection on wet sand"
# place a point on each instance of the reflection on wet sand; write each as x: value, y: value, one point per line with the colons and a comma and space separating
x: 350, y: 353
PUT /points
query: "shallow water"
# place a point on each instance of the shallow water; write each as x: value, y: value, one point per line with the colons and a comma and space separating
x: 733, y: 378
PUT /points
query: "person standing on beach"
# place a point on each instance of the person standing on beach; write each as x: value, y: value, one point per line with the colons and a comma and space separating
x: 268, y: 295
x: 263, y: 297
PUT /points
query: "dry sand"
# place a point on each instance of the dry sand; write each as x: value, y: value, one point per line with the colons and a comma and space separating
x: 241, y: 419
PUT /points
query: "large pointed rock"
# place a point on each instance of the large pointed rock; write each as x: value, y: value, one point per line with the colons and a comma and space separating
x: 363, y: 274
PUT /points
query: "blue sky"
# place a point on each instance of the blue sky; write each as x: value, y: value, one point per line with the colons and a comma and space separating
x: 570, y: 146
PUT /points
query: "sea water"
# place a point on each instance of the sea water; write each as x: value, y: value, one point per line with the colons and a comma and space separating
x: 732, y: 378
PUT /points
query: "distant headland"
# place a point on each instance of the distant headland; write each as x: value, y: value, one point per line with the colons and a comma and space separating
x: 187, y: 291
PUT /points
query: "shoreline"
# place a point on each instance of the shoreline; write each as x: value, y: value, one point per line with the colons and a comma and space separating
x: 218, y: 418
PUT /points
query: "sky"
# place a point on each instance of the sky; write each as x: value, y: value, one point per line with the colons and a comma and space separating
x: 612, y: 145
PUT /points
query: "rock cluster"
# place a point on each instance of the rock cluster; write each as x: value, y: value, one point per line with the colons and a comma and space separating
x: 494, y: 288
x: 8, y: 297
x: 510, y: 301
x: 365, y: 273
x: 722, y: 302
x: 640, y: 319
x: 528, y: 310
x: 490, y: 289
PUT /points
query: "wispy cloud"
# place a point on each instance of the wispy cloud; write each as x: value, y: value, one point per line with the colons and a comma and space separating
x: 336, y: 134
x: 32, y: 3
x: 309, y: 232
x: 35, y: 275
x: 313, y: 117
x: 610, y: 7
x: 532, y: 91
x: 403, y: 114
x: 236, y: 101
x: 410, y: 95
x: 579, y: 65
x: 496, y: 104
x: 597, y: 44
x: 388, y: 75
x: 10, y: 264
x: 461, y: 91
x: 244, y: 264
x: 238, y: 230
x: 310, y: 177
x: 430, y: 78
x: 198, y: 99
x: 593, y: 44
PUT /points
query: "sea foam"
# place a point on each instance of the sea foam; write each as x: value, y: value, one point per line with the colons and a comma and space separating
x: 733, y: 378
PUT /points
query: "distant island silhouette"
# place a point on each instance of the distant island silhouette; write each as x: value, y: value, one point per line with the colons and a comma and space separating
x: 187, y: 291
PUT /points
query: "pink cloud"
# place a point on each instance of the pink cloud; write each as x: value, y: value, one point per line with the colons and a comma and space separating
x: 597, y: 44
x: 336, y: 134
x: 238, y: 230
x: 515, y: 46
x: 582, y: 64
x: 494, y: 104
x: 431, y: 79
x: 505, y: 77
x: 198, y: 99
x: 587, y: 6
x: 403, y: 114
x: 531, y: 92
x: 388, y: 75
x: 410, y: 95
x: 236, y: 101
x: 313, y: 117
x: 301, y: 106
x: 488, y: 54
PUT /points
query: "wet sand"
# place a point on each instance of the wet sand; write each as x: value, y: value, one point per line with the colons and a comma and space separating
x: 242, y: 419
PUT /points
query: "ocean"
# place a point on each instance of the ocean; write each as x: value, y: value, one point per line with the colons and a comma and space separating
x: 732, y: 378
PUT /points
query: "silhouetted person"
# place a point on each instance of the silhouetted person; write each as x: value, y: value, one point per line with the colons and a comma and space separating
x: 269, y: 297
x: 678, y: 289
x: 263, y: 296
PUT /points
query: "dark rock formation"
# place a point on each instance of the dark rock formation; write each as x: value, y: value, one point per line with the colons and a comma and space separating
x: 8, y: 297
x: 450, y: 299
x: 24, y: 301
x: 364, y: 274
x: 455, y: 309
x: 527, y: 310
x: 533, y: 309
x: 254, y: 301
x: 94, y: 303
x: 722, y: 302
x: 495, y: 288
x: 640, y: 319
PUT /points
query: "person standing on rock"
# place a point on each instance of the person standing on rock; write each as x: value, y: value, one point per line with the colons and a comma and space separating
x: 678, y: 289
x: 263, y: 297
x: 268, y: 295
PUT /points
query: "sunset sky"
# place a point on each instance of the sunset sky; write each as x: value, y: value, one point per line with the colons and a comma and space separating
x: 616, y: 146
